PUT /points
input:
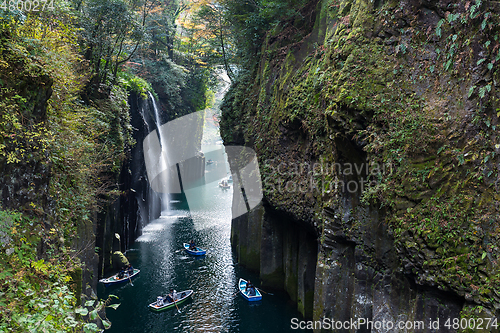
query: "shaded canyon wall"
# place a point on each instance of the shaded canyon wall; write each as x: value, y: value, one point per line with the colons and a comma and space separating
x: 375, y: 124
x: 282, y: 250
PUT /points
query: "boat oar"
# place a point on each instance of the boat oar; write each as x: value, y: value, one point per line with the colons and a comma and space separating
x: 130, y: 280
x: 265, y: 292
x: 235, y: 293
x: 176, y: 306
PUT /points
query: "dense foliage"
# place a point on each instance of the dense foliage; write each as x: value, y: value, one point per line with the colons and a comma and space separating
x: 38, y: 295
x: 230, y: 33
x: 251, y: 20
x: 177, y: 73
x: 66, y: 73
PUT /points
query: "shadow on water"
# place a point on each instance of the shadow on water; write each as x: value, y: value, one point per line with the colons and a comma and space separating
x: 214, y: 307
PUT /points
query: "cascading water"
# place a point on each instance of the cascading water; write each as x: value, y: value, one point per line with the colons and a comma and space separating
x: 162, y: 159
x: 150, y: 204
x: 144, y: 203
x: 201, y: 211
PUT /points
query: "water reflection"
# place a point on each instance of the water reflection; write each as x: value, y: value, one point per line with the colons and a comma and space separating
x: 214, y: 307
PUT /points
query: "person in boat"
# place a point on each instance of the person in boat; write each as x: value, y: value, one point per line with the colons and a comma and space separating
x: 250, y: 289
x: 159, y: 301
x: 130, y: 270
x: 172, y: 296
x: 192, y: 245
x: 121, y: 274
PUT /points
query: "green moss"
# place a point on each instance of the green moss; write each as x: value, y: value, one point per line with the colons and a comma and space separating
x: 274, y: 280
x: 307, y: 311
x: 76, y: 278
x: 361, y: 14
x: 252, y: 260
x: 477, y: 315
x: 439, y: 200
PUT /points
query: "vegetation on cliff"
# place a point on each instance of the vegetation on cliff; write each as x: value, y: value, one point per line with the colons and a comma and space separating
x: 66, y: 73
x: 405, y: 84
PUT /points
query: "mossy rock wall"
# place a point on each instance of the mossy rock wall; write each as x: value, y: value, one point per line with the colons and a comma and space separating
x: 246, y: 237
x: 24, y: 182
x: 378, y: 130
x: 48, y: 141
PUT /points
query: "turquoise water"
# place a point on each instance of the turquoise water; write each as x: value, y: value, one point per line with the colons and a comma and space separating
x: 215, y: 306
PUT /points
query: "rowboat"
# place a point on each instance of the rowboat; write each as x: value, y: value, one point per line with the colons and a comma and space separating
x: 160, y: 305
x: 115, y: 279
x: 197, y: 252
x: 242, y: 285
x: 224, y: 186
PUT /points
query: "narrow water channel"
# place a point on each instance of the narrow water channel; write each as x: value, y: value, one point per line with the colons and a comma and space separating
x: 215, y: 305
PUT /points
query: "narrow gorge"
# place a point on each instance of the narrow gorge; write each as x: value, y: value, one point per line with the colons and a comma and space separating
x: 344, y: 155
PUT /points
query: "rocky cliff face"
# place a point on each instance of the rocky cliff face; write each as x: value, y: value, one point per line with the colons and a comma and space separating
x: 127, y: 214
x: 27, y: 180
x: 375, y: 123
x: 57, y: 156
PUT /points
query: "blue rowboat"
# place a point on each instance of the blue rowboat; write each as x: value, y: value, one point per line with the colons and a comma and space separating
x: 115, y: 279
x: 252, y: 298
x: 162, y: 304
x: 197, y: 252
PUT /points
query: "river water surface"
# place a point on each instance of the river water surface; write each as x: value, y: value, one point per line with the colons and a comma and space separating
x: 214, y: 307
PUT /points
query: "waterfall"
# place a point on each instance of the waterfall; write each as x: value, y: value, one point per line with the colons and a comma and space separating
x: 145, y: 197
x: 172, y: 157
x: 151, y: 203
x: 145, y: 194
x: 162, y: 159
